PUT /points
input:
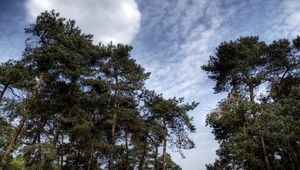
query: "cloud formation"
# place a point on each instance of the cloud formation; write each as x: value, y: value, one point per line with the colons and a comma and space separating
x: 286, y: 24
x: 177, y: 37
x: 108, y: 20
x: 182, y: 35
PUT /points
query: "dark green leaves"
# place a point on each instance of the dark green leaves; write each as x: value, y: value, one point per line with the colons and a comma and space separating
x: 256, y: 133
x: 77, y: 105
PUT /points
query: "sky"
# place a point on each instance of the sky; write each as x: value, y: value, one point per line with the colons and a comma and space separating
x: 171, y: 39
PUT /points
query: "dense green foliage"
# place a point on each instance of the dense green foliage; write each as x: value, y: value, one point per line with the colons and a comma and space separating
x: 258, y: 124
x: 70, y: 104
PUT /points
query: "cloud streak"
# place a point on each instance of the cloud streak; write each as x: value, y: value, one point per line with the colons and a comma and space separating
x: 174, y: 41
x: 171, y: 39
x: 183, y: 41
x: 117, y: 21
x: 286, y: 24
x: 177, y: 37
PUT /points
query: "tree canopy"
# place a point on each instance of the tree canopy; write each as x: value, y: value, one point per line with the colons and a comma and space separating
x: 70, y: 104
x: 256, y: 130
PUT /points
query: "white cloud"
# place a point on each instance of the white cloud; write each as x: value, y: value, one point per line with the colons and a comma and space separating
x: 107, y: 20
x: 183, y: 34
x: 183, y: 37
x: 286, y: 23
x: 187, y: 38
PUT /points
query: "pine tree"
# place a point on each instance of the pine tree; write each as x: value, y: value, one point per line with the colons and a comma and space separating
x: 172, y: 116
x: 249, y: 129
x: 81, y: 106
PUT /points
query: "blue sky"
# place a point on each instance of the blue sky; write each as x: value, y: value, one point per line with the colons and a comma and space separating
x: 171, y: 39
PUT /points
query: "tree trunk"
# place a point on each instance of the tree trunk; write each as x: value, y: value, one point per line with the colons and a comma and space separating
x: 39, y: 148
x: 142, y: 157
x: 292, y: 161
x: 90, y: 161
x: 55, y: 142
x: 113, y: 127
x: 251, y: 93
x: 3, y: 92
x: 297, y: 152
x: 127, y: 151
x: 156, y: 157
x: 265, y: 153
x: 165, y: 149
x: 62, y: 152
x: 293, y: 154
x: 13, y: 140
x: 19, y: 128
x: 113, y: 136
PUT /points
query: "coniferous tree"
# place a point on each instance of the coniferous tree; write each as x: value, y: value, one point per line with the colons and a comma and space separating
x: 77, y: 105
x: 251, y: 130
x: 176, y: 125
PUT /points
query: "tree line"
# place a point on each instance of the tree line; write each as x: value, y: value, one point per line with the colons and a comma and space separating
x: 258, y: 124
x: 70, y: 104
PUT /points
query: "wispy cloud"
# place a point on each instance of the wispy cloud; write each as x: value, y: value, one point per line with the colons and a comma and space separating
x: 177, y: 37
x: 171, y: 39
x: 107, y: 20
x: 286, y: 22
x: 184, y: 38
